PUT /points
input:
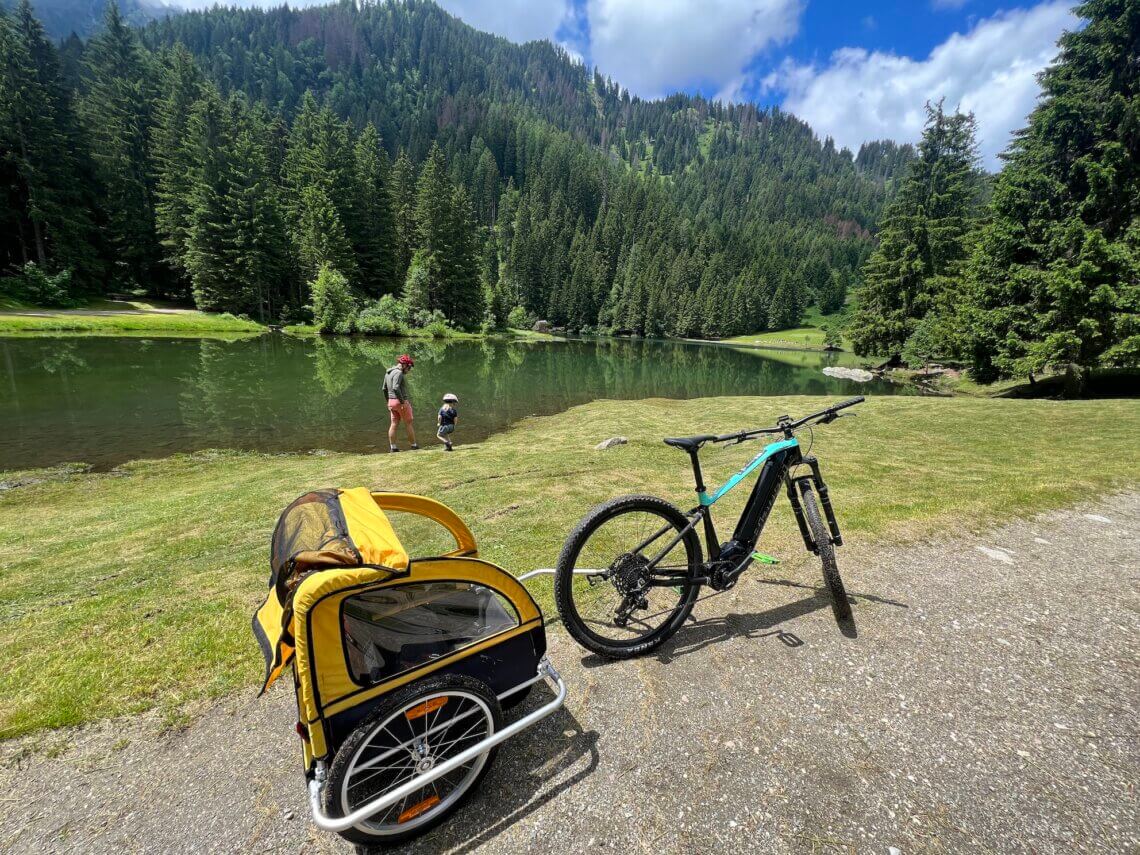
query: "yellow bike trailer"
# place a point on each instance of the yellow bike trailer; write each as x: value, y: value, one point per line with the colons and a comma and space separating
x: 402, y: 666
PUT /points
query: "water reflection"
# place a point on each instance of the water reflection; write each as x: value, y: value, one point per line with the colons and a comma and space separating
x: 108, y: 400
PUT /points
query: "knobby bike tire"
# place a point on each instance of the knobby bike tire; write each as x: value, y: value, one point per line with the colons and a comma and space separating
x: 564, y: 577
x: 826, y: 549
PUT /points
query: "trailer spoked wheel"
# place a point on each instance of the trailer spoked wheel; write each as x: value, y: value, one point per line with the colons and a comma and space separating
x: 413, y: 730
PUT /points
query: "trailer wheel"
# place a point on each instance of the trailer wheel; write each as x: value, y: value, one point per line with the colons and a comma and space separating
x: 413, y: 730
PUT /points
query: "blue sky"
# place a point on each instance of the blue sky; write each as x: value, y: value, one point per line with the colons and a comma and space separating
x: 855, y: 71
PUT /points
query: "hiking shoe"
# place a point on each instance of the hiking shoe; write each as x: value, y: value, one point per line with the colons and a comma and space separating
x: 415, y: 447
x: 392, y: 449
x: 447, y: 445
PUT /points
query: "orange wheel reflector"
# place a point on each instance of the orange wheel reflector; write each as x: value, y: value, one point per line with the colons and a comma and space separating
x: 420, y: 710
x: 415, y: 810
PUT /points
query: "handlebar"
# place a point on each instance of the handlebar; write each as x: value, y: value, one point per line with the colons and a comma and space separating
x: 786, y: 426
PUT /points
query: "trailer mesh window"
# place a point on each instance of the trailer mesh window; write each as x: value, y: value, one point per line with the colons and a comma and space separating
x: 391, y: 630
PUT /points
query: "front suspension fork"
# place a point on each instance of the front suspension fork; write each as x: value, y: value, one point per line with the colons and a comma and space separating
x: 824, y: 500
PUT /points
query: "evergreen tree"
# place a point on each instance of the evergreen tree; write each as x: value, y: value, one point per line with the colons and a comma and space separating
x: 209, y: 231
x: 174, y: 153
x: 403, y: 202
x: 319, y: 177
x: 374, y: 224
x: 47, y: 194
x: 319, y: 237
x: 117, y: 110
x: 434, y: 221
x: 784, y: 311
x: 462, y: 297
x: 423, y: 282
x: 1056, y: 275
x: 259, y: 254
x: 834, y: 293
x: 923, y: 241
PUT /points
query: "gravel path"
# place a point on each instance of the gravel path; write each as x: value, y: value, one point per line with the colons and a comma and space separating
x: 987, y: 703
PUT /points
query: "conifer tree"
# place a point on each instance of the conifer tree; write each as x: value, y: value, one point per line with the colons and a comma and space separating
x: 1055, y: 279
x: 434, y: 221
x: 174, y: 153
x: 462, y: 298
x: 923, y: 241
x: 318, y: 173
x: 403, y: 200
x: 374, y: 225
x: 41, y: 152
x: 784, y: 312
x: 117, y: 112
x: 319, y: 237
x: 209, y: 231
x: 253, y: 206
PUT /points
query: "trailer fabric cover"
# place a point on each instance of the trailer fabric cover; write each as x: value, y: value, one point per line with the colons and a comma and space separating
x: 319, y: 530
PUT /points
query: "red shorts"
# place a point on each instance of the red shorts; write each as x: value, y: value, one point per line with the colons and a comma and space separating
x: 399, y: 410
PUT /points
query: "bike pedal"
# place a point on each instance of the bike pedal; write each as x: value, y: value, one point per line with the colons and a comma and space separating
x: 764, y: 559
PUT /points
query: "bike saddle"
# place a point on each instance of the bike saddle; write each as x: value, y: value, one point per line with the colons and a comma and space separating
x: 689, y: 443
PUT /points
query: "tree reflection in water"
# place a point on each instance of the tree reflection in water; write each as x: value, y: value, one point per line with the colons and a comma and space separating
x: 108, y: 400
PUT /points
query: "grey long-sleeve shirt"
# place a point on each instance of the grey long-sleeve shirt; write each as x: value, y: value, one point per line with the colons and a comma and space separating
x: 395, y: 386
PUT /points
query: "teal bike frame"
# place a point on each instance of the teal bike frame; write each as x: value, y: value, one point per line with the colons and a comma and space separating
x: 726, y: 561
x: 755, y: 462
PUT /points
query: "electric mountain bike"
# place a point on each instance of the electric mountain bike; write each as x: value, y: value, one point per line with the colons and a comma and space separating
x: 631, y: 571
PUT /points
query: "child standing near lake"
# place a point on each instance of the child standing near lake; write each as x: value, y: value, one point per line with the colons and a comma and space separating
x: 446, y: 419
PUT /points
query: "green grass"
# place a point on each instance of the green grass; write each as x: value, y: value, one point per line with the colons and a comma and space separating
x: 157, y: 323
x: 132, y: 590
x: 808, y: 336
x: 804, y: 357
x: 310, y: 331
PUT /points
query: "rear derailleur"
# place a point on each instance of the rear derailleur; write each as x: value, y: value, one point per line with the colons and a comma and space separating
x: 629, y: 575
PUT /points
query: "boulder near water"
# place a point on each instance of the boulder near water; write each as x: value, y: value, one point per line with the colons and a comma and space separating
x: 610, y: 443
x: 859, y: 375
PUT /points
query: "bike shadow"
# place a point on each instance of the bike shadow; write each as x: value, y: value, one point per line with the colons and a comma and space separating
x: 697, y: 634
x: 529, y: 772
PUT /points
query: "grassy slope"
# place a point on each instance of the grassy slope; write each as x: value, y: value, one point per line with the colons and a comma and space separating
x: 132, y: 590
x: 124, y: 317
x: 809, y: 335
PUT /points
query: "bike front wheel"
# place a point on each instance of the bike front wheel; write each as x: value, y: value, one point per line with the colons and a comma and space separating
x: 625, y: 579
x: 826, y: 550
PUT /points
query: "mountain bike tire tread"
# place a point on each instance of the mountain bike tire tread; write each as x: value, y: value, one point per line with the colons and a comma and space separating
x: 564, y: 578
x: 826, y: 549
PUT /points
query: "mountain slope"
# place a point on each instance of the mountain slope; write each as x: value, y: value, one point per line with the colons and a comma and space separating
x: 575, y: 201
x: 61, y: 18
x: 763, y: 198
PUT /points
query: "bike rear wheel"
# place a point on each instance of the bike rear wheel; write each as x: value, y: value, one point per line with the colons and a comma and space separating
x: 616, y: 612
x: 826, y: 550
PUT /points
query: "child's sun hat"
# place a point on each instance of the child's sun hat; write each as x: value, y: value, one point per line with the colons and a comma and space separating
x: 450, y: 398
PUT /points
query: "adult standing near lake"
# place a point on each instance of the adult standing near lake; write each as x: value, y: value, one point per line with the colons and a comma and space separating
x: 399, y: 400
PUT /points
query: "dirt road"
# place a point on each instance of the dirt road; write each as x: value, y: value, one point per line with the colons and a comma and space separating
x: 987, y: 702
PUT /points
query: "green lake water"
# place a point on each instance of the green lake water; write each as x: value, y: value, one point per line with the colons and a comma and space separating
x: 104, y: 400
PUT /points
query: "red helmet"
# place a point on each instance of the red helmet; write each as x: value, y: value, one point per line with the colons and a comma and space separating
x: 406, y: 360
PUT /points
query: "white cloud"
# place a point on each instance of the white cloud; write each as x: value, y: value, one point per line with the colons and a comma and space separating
x: 517, y: 20
x: 991, y: 70
x: 653, y: 47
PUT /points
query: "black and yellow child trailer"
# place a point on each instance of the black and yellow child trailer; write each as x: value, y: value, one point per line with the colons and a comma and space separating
x: 402, y: 666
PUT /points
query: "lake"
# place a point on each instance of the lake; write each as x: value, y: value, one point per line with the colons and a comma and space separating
x: 104, y: 401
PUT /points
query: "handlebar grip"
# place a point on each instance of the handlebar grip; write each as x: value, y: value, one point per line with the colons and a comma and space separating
x: 850, y: 402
